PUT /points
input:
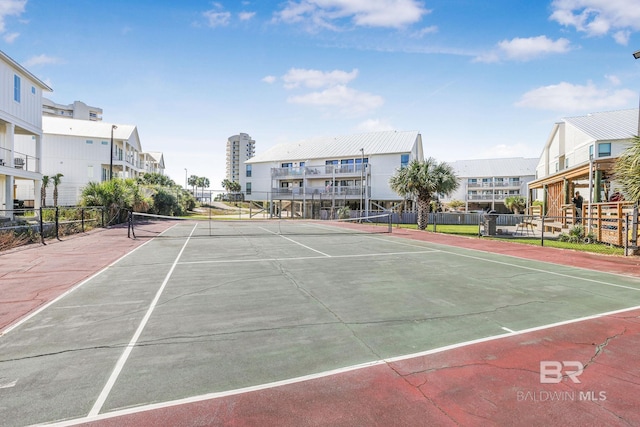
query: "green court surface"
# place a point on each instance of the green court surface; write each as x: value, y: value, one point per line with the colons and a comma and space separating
x: 192, y: 312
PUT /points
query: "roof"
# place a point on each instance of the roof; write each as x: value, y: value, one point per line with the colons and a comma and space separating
x: 26, y: 72
x: 85, y: 128
x: 386, y: 142
x: 609, y: 125
x: 514, y: 166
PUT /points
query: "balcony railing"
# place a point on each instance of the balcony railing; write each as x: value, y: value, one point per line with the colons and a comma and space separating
x: 20, y: 160
x: 325, y: 170
x: 351, y: 192
x: 493, y: 184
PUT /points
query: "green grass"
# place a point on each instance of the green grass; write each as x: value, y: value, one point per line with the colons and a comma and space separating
x: 472, y: 231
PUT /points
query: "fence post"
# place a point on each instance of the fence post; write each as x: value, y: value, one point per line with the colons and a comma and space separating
x: 41, y: 227
x: 542, y: 231
x: 57, y: 225
x: 82, y: 218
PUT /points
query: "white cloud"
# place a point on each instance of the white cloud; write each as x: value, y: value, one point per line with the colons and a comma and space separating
x: 314, y: 79
x: 246, y: 16
x: 374, y: 125
x: 614, y: 80
x: 525, y: 49
x: 216, y: 17
x: 345, y: 99
x: 599, y: 17
x: 567, y: 97
x: 426, y: 30
x: 10, y: 37
x: 10, y: 8
x: 40, y: 60
x: 367, y: 13
x: 269, y: 79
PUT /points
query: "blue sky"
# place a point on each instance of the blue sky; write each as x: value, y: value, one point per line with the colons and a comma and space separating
x: 478, y: 79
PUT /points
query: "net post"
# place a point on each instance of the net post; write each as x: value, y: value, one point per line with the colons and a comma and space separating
x: 57, y: 224
x: 41, y: 227
x: 390, y: 223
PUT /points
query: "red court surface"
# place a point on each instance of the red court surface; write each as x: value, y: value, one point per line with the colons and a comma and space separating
x: 488, y: 382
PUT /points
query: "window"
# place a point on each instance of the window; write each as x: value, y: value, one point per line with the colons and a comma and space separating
x: 16, y: 88
x: 33, y: 90
x: 591, y: 152
x: 472, y: 181
x: 89, y: 141
x: 514, y: 181
x: 566, y: 163
x: 105, y: 142
x: 248, y: 174
x: 404, y: 160
x: 248, y: 188
x: 331, y: 162
x: 302, y: 164
x: 604, y: 150
x: 346, y: 161
x: 287, y: 165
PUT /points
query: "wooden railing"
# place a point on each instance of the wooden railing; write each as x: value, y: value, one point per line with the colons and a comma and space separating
x: 607, y: 220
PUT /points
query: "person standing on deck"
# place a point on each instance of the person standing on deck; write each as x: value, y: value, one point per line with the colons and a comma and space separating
x: 577, y: 201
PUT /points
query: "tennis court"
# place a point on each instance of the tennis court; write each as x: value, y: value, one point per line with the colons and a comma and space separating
x: 201, y: 314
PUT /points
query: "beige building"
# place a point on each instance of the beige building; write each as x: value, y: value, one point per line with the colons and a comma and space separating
x: 240, y: 148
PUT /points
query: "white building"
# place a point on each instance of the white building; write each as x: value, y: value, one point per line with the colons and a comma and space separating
x: 77, y: 110
x: 349, y: 170
x: 81, y: 150
x: 580, y: 154
x: 20, y: 115
x: 485, y: 183
x: 240, y: 148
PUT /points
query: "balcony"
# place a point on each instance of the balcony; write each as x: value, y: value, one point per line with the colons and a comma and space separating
x: 321, y: 171
x: 21, y: 161
x: 326, y: 193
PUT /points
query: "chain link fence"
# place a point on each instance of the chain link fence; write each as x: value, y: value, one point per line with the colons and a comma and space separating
x: 20, y: 227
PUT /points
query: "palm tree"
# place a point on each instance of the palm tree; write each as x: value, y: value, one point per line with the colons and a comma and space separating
x: 627, y: 170
x: 193, y: 179
x: 515, y: 203
x: 56, y: 181
x: 424, y: 180
x: 43, y: 190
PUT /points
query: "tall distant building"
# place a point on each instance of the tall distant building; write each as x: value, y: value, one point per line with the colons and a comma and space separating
x: 77, y: 110
x: 239, y: 149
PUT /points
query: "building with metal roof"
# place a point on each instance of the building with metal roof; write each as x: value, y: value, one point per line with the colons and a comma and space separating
x: 86, y: 151
x: 485, y: 183
x: 20, y: 115
x: 580, y: 154
x: 329, y: 172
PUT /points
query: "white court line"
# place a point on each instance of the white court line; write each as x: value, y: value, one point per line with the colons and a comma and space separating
x: 304, y: 258
x: 218, y: 395
x: 297, y: 243
x: 538, y: 270
x: 97, y: 406
x: 67, y: 292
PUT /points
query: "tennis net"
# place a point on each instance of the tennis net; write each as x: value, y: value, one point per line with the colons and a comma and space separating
x: 150, y: 225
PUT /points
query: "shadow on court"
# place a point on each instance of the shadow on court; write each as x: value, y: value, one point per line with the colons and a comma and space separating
x: 408, y: 329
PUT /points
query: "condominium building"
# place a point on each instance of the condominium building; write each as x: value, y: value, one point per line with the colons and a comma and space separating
x: 77, y: 110
x: 240, y: 148
x: 20, y: 115
x: 351, y: 170
x: 485, y: 183
x: 86, y: 151
x: 580, y: 154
